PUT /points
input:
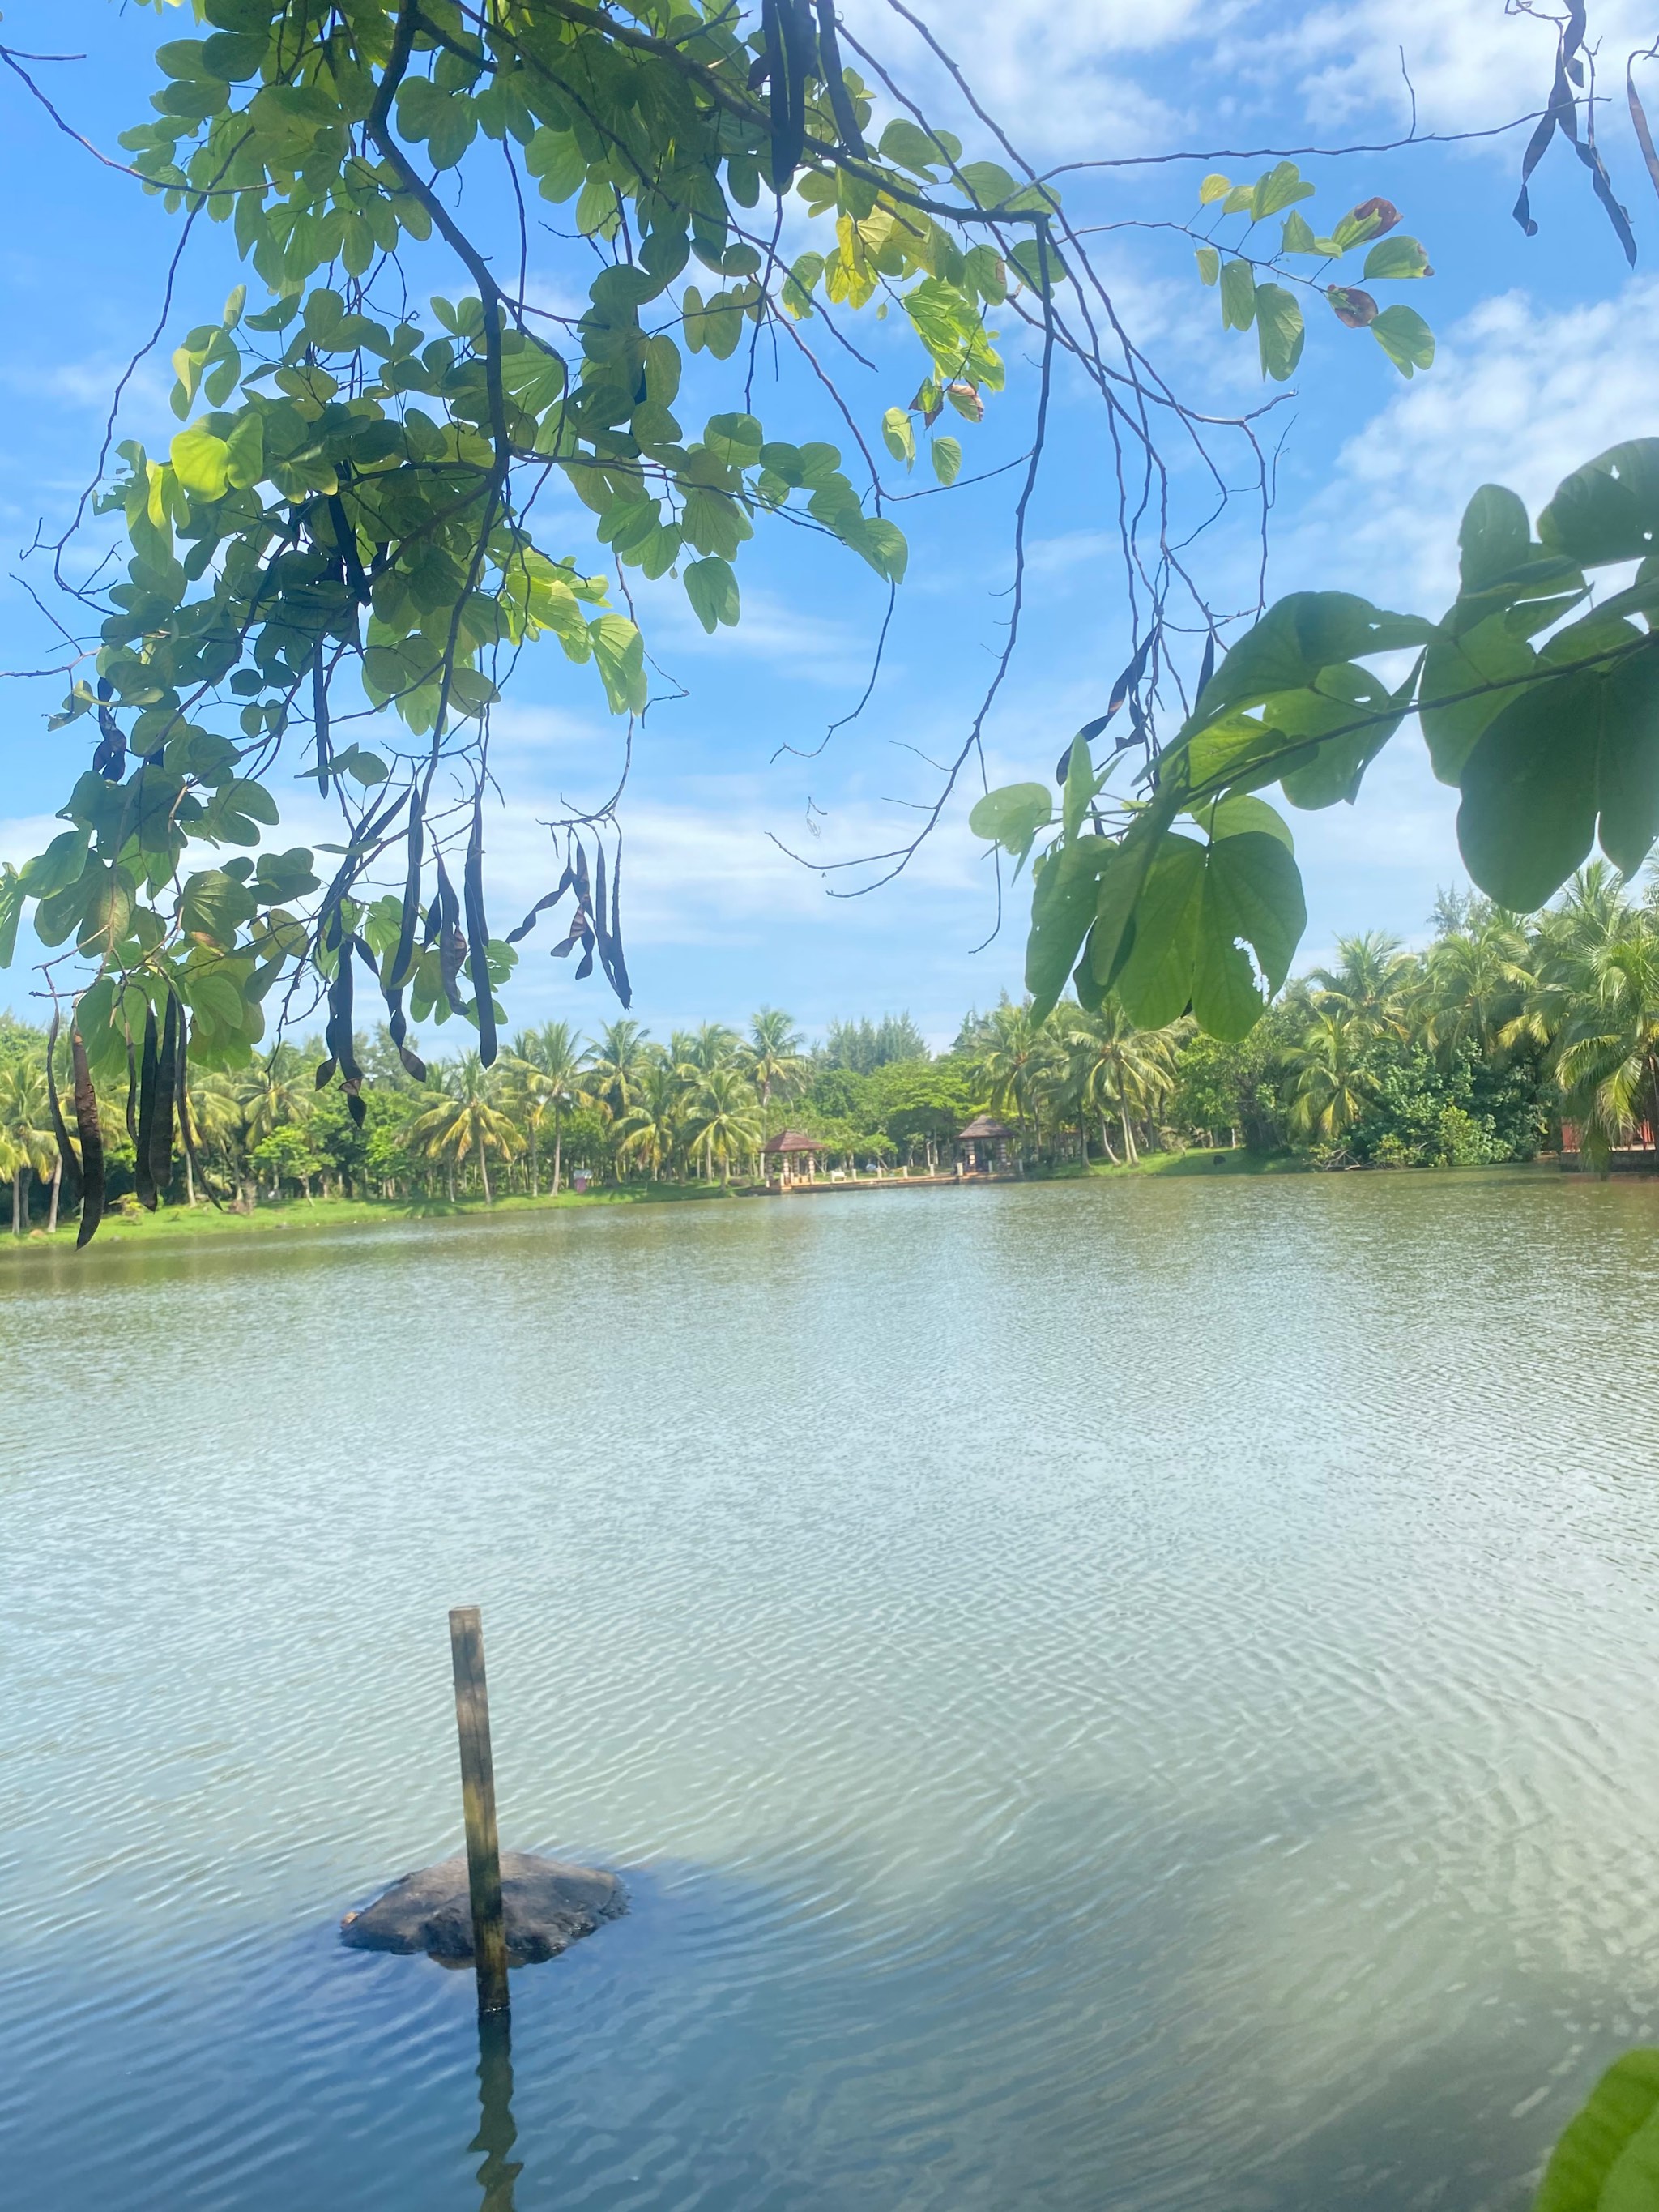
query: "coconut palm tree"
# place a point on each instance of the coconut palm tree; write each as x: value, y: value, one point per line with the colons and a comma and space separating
x: 553, y: 1066
x: 1116, y: 1069
x: 704, y: 1051
x: 1331, y: 1090
x: 723, y: 1123
x: 649, y: 1132
x: 1606, y: 1057
x: 276, y: 1090
x: 617, y: 1062
x: 772, y: 1059
x: 25, y: 1134
x: 1371, y: 983
x: 1014, y: 1058
x: 463, y: 1123
x: 1476, y: 981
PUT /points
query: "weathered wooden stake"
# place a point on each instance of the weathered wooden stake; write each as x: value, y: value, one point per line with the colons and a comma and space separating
x: 484, y: 1856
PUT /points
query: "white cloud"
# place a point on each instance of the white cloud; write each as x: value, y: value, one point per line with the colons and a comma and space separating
x: 1053, y: 75
x: 1473, y: 64
x: 1518, y: 396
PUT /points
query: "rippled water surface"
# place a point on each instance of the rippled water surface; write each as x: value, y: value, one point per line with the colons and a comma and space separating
x: 1137, y: 1696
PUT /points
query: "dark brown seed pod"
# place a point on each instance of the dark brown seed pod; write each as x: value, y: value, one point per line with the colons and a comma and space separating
x: 149, y: 1067
x: 91, y: 1143
x: 411, y: 913
x: 166, y: 1084
x: 478, y: 938
x: 841, y: 103
x: 69, y: 1159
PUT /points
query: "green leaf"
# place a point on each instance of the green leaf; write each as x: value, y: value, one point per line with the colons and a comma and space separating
x: 1279, y: 330
x: 1297, y: 237
x: 898, y: 434
x: 734, y: 439
x: 619, y: 655
x: 1345, y: 697
x: 1236, y: 813
x: 556, y: 160
x: 1566, y: 750
x: 947, y: 458
x: 11, y: 909
x: 882, y: 544
x: 1156, y: 981
x: 1392, y: 258
x: 214, y: 905
x: 990, y: 184
x: 1404, y: 337
x: 1063, y: 900
x: 1252, y: 891
x: 911, y: 148
x: 1608, y: 510
x: 1012, y: 816
x: 1607, y: 2159
x: 201, y: 462
x: 1238, y: 296
x: 1295, y: 639
x: 1494, y: 537
x: 1215, y: 186
x: 1080, y: 787
x: 1280, y: 187
x: 713, y: 590
x: 1209, y: 265
x: 1452, y: 723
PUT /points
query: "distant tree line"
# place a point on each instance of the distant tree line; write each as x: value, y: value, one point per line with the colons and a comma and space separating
x: 1475, y: 1050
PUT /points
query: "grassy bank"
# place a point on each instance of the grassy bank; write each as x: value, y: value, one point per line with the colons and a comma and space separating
x: 276, y: 1216
x: 1204, y: 1163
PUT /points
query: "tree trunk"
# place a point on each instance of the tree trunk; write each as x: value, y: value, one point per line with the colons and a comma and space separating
x: 1106, y: 1142
x: 535, y: 1171
x: 56, y: 1185
x: 190, y: 1181
x: 17, y: 1202
x: 1129, y: 1151
x: 558, y: 1147
x: 484, y: 1175
x: 451, y: 1174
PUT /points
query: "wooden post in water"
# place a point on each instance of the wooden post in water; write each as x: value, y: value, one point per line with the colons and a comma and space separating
x: 483, y: 1858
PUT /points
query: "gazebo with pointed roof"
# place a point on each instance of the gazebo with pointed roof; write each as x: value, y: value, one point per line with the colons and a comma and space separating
x: 793, y: 1151
x: 985, y: 1146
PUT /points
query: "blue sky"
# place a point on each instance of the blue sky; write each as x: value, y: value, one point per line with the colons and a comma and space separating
x: 1545, y: 354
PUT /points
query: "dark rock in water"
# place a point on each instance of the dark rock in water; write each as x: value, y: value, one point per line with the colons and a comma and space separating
x: 548, y: 1903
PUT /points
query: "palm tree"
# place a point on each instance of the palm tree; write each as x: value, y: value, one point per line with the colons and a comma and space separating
x: 1607, y: 1061
x: 1331, y: 1089
x: 705, y: 1050
x: 1014, y: 1056
x: 1117, y: 1069
x: 463, y: 1121
x: 215, y: 1122
x: 548, y: 1072
x: 617, y: 1067
x: 278, y: 1088
x: 723, y: 1122
x: 1369, y: 984
x: 27, y: 1144
x: 649, y: 1132
x: 773, y: 1058
x: 1476, y: 981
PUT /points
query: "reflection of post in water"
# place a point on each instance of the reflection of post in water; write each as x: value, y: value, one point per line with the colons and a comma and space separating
x: 496, y: 2133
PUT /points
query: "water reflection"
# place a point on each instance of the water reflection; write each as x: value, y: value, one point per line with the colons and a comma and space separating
x: 496, y: 2133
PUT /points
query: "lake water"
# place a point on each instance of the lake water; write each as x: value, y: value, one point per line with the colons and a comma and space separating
x: 1136, y: 1697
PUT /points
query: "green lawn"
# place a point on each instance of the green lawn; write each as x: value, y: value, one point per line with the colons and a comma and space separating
x: 273, y: 1215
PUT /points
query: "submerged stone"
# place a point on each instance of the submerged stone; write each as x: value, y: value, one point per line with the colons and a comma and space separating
x: 548, y: 1903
